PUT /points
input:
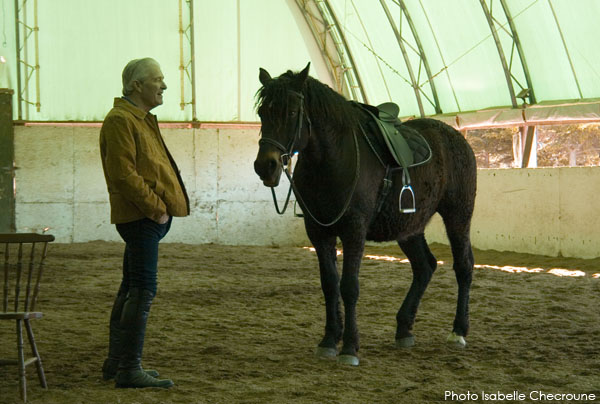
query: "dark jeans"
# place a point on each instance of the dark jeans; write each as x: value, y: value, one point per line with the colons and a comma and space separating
x: 140, y: 260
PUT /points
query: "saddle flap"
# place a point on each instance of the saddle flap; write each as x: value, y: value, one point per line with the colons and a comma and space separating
x: 396, y: 144
x: 406, y: 145
x: 388, y: 111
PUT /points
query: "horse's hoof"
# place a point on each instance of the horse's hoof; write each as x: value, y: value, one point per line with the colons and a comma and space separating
x: 456, y: 341
x: 325, y: 353
x: 405, y: 342
x: 348, y: 360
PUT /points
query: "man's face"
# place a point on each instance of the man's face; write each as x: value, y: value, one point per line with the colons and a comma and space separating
x: 151, y: 88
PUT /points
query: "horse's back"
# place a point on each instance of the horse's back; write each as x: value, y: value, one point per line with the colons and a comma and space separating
x: 445, y: 140
x: 446, y: 182
x: 452, y: 158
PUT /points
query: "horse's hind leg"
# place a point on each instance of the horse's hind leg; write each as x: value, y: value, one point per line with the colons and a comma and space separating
x: 457, y: 229
x: 423, y: 265
x: 326, y: 253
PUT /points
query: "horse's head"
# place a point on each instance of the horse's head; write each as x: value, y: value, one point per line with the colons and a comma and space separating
x: 285, y: 124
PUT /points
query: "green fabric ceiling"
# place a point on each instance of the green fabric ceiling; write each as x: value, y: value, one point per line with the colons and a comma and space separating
x: 464, y: 61
x: 467, y: 55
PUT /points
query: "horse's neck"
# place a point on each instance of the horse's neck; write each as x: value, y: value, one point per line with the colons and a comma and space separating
x: 329, y: 159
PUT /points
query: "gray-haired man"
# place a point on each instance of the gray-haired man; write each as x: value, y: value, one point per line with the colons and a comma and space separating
x: 145, y: 191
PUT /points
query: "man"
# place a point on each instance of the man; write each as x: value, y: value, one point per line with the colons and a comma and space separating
x: 145, y: 191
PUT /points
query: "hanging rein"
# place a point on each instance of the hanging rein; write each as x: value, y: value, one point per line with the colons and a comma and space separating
x: 287, y: 152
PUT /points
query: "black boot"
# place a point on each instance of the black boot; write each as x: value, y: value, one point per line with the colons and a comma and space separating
x: 115, y: 344
x: 133, y: 322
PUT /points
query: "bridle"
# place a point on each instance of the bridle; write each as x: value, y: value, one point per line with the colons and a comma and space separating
x: 288, y: 151
x: 286, y: 158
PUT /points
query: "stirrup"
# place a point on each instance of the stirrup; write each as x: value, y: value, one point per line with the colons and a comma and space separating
x: 413, y: 209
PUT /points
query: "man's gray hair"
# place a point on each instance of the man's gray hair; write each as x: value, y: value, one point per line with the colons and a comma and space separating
x: 137, y: 69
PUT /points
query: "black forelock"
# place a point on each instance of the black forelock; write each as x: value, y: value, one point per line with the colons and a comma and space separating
x: 275, y: 90
x: 325, y: 107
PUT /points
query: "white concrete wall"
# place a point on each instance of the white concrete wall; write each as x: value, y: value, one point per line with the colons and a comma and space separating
x: 547, y: 211
x: 60, y: 186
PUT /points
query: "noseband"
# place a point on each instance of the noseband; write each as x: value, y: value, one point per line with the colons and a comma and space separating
x: 288, y: 151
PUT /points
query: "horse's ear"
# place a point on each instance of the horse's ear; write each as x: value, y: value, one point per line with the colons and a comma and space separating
x: 264, y: 76
x: 301, y: 77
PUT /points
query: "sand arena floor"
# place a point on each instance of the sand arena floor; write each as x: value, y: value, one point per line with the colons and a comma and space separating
x: 240, y: 324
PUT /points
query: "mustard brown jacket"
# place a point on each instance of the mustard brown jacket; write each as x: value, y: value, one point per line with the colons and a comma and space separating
x: 141, y: 175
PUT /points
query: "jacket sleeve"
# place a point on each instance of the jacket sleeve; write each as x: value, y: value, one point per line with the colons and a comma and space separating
x: 120, y: 161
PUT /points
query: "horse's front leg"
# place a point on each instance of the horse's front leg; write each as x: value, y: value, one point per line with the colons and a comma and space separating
x: 349, y: 288
x: 327, y: 255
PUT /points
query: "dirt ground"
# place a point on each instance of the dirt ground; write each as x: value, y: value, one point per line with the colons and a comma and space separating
x: 240, y: 325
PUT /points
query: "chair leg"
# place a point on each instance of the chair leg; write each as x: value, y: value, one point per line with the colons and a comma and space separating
x: 21, y: 364
x: 38, y: 363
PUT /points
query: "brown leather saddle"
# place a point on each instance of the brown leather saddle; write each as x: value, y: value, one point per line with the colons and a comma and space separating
x: 407, y: 147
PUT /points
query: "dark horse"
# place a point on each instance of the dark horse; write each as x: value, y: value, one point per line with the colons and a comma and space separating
x: 338, y: 180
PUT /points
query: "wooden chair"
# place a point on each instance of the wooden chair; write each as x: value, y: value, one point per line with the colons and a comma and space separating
x: 24, y: 256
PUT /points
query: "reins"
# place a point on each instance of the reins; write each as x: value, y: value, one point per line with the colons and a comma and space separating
x: 286, y: 158
x: 346, y: 204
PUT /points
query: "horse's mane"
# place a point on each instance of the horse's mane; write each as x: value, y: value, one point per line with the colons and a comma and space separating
x: 326, y: 108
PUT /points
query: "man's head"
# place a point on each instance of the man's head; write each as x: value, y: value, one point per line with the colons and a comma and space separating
x: 143, y: 83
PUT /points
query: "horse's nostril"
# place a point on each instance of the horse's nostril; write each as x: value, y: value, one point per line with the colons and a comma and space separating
x: 267, y: 165
x: 260, y: 168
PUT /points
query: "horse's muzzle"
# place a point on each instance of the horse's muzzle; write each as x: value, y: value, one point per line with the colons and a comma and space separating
x: 268, y: 167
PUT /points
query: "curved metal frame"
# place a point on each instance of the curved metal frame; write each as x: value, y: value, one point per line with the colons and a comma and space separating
x: 354, y: 80
x: 399, y: 39
x: 420, y: 53
x: 320, y: 34
x: 562, y: 38
x: 517, y: 42
x: 505, y: 67
x: 325, y: 27
x: 331, y: 30
x: 422, y: 56
x: 529, y: 132
x: 377, y: 60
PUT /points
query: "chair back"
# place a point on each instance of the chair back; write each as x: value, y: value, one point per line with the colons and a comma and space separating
x: 24, y: 256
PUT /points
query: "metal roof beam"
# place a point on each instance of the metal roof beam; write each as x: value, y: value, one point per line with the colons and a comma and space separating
x: 517, y: 41
x: 422, y: 56
x: 325, y: 28
x: 562, y: 37
x: 187, y: 68
x: 350, y: 70
x: 505, y: 67
x: 319, y: 31
x: 377, y: 58
x: 413, y: 81
x: 22, y: 53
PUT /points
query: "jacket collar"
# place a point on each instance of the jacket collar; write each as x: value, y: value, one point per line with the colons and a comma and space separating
x: 128, y: 106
